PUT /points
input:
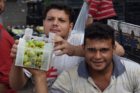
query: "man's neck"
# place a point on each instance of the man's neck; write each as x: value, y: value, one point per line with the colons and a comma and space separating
x: 102, y: 78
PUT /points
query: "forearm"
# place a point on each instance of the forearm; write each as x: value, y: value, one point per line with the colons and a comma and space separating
x: 119, y: 49
x: 17, y: 77
x: 41, y: 84
x: 78, y: 51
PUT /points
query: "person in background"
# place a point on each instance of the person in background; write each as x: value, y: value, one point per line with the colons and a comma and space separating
x: 6, y: 42
x: 101, y: 10
x: 101, y: 72
x: 57, y: 19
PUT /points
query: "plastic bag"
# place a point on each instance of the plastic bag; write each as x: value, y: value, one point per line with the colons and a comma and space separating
x: 77, y: 35
x: 34, y: 52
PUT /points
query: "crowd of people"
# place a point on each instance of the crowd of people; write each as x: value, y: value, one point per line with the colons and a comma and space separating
x: 94, y: 66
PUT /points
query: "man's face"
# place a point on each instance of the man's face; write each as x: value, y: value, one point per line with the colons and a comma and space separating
x: 2, y: 5
x: 98, y: 54
x: 57, y: 21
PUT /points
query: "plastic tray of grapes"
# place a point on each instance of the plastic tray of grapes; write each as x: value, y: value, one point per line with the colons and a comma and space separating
x: 34, y: 52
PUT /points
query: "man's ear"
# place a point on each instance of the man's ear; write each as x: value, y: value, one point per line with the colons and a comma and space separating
x: 71, y: 26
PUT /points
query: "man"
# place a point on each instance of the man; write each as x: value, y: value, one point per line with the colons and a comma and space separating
x: 101, y: 72
x: 57, y: 19
x: 6, y: 42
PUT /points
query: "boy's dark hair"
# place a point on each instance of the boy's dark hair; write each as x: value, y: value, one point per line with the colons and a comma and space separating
x: 99, y: 31
x: 68, y: 10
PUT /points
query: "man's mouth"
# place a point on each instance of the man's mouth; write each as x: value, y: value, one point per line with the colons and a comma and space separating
x: 54, y: 30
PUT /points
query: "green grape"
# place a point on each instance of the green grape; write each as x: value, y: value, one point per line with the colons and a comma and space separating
x: 36, y: 43
x: 30, y: 53
x: 33, y: 53
x: 41, y: 44
x: 37, y: 64
x: 31, y: 43
x: 27, y: 63
x: 39, y: 58
x: 39, y: 53
x: 26, y: 58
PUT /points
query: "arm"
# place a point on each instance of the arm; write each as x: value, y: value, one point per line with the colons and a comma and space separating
x: 17, y: 77
x: 40, y: 80
x: 65, y: 47
x: 62, y: 84
x: 119, y: 50
x: 72, y: 50
x: 41, y: 85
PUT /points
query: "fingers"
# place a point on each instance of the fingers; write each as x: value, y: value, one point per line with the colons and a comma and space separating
x: 58, y: 39
x: 60, y: 49
x: 60, y: 43
x: 14, y: 49
x: 62, y: 46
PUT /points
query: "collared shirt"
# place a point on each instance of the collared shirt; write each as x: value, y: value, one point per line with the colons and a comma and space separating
x: 125, y: 79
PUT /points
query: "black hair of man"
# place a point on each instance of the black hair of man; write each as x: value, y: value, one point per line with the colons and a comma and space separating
x: 68, y: 10
x: 99, y: 31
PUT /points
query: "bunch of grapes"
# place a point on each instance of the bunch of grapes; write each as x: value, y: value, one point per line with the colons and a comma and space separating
x: 33, y: 54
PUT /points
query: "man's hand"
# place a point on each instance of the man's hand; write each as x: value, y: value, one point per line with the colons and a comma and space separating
x: 37, y: 73
x: 14, y: 49
x: 63, y: 47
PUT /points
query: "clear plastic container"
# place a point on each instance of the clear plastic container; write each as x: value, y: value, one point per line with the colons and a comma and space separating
x: 34, y: 52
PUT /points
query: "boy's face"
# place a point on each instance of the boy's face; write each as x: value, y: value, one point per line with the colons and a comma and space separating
x: 57, y: 21
x: 99, y: 54
x: 2, y: 5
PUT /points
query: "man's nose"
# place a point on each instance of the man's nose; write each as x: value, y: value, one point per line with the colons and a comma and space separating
x: 98, y: 55
x: 55, y: 22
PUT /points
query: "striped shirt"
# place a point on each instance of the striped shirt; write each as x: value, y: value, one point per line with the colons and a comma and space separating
x: 101, y: 9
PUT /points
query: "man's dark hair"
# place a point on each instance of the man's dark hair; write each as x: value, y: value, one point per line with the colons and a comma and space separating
x: 68, y: 10
x: 99, y: 31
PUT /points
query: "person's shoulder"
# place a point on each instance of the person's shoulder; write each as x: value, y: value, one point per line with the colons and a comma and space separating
x: 72, y: 72
x: 6, y: 35
x: 130, y: 64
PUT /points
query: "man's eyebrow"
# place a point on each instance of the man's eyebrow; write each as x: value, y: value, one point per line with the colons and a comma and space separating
x: 90, y: 48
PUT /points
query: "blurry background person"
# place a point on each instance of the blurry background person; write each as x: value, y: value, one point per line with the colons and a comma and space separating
x: 6, y: 42
x: 102, y: 10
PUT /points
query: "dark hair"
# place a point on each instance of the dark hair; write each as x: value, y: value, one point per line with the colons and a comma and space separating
x: 68, y: 10
x: 99, y: 31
